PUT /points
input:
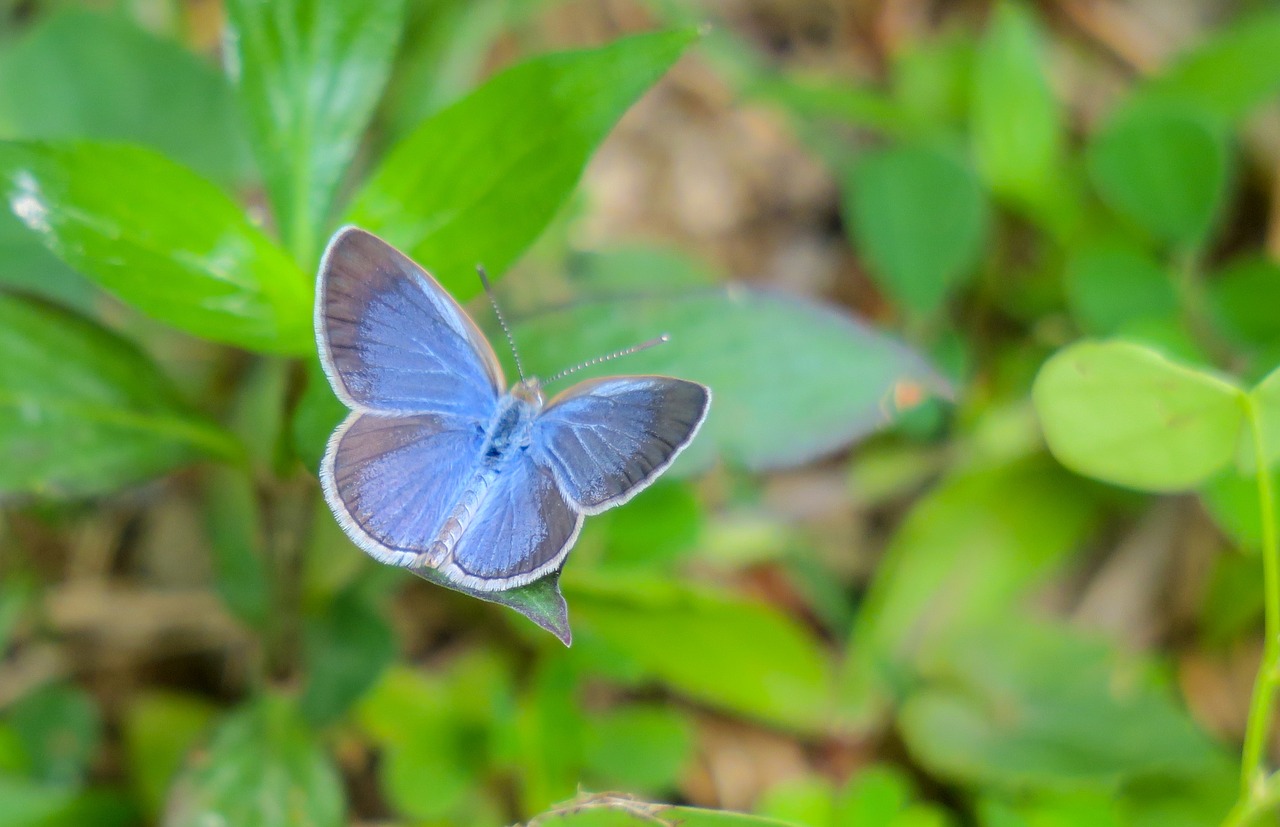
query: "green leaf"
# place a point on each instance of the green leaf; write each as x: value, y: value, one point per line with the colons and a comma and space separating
x: 1125, y: 414
x: 608, y: 810
x: 1020, y: 706
x: 804, y: 800
x: 31, y: 804
x: 841, y: 375
x: 540, y: 601
x: 234, y: 523
x: 733, y: 654
x: 176, y: 248
x: 310, y: 74
x: 346, y: 645
x: 919, y: 218
x: 1017, y: 124
x: 1228, y: 75
x: 1242, y: 296
x: 641, y: 748
x: 550, y: 732
x: 1164, y: 167
x: 478, y: 181
x: 1110, y: 286
x: 159, y: 731
x: 83, y: 412
x: 89, y: 75
x: 968, y: 554
x: 658, y: 526
x: 263, y: 767
x: 60, y: 729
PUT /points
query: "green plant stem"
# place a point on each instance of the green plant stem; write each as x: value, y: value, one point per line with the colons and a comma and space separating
x: 1253, y: 780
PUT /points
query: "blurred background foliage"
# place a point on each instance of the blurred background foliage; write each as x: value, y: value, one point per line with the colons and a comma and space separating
x: 1023, y: 254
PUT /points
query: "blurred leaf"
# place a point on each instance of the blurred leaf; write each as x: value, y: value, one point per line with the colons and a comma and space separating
x: 660, y: 524
x: 1232, y: 598
x: 82, y: 411
x: 969, y: 553
x: 1017, y: 124
x: 841, y: 375
x: 876, y: 795
x: 932, y: 81
x: 310, y: 74
x: 176, y: 248
x: 550, y: 733
x: 60, y: 729
x: 805, y: 800
x: 1242, y: 296
x: 346, y: 645
x: 436, y: 733
x: 733, y: 654
x: 638, y: 747
x: 1229, y: 74
x: 263, y: 767
x: 1111, y: 285
x: 1055, y: 810
x: 479, y: 181
x: 233, y: 520
x: 1125, y: 414
x: 317, y: 414
x: 1163, y: 167
x: 31, y: 804
x: 919, y: 218
x: 1231, y: 498
x: 1021, y: 706
x: 627, y: 271
x: 89, y: 75
x: 160, y: 728
x: 610, y: 810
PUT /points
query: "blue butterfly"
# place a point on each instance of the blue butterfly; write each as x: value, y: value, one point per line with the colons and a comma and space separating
x: 437, y: 465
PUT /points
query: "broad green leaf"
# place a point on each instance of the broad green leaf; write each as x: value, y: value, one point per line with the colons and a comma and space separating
x: 346, y: 645
x: 1164, y: 167
x: 551, y: 732
x: 609, y: 810
x: 1112, y: 285
x: 263, y: 767
x: 919, y: 218
x: 1242, y: 295
x: 805, y: 800
x: 29, y: 803
x: 1017, y: 124
x: 636, y: 747
x: 968, y: 553
x: 159, y: 731
x: 1125, y: 414
x: 1231, y: 498
x: 841, y: 376
x: 176, y: 247
x: 1020, y: 706
x: 540, y: 601
x: 83, y: 412
x: 310, y: 73
x: 658, y: 526
x: 60, y: 729
x: 89, y: 75
x: 1054, y: 810
x: 1228, y: 75
x: 737, y: 655
x: 478, y: 181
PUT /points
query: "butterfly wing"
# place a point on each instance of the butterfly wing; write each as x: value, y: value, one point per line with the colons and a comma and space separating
x: 521, y: 530
x: 607, y: 439
x: 391, y: 480
x: 393, y: 341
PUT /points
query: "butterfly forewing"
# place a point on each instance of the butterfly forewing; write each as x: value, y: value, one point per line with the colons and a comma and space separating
x: 607, y: 439
x: 393, y: 341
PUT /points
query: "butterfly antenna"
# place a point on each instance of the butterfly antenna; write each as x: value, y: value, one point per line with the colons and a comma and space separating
x: 654, y: 342
x: 488, y: 291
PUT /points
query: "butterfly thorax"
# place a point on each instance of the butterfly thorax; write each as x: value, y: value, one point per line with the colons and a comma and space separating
x: 512, y: 426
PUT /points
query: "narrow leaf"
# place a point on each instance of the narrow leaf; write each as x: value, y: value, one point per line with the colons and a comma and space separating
x: 83, y: 411
x: 310, y: 74
x: 478, y: 181
x: 161, y: 239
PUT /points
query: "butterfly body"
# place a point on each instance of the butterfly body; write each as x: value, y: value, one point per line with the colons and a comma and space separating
x: 436, y: 466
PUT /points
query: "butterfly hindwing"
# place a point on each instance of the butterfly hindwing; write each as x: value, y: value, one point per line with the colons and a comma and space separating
x: 392, y: 480
x: 393, y: 341
x: 607, y: 439
x: 521, y: 530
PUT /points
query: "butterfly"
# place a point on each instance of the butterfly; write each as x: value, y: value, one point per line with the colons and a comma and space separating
x: 438, y: 464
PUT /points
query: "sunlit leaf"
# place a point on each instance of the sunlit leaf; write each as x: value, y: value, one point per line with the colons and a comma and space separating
x: 176, y: 247
x: 310, y: 73
x: 1125, y: 414
x: 82, y: 411
x: 478, y: 181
